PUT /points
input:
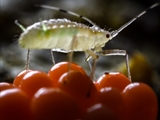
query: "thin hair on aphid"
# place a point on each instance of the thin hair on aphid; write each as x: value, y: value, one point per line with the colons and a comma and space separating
x: 59, y: 34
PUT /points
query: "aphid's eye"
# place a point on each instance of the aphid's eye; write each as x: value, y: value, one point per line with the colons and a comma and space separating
x: 107, y: 35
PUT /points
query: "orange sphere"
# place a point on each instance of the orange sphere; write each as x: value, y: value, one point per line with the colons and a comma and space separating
x: 112, y: 98
x: 78, y: 85
x: 54, y: 104
x: 14, y: 105
x: 60, y: 68
x: 140, y: 101
x: 33, y: 81
x: 17, y: 80
x: 115, y: 80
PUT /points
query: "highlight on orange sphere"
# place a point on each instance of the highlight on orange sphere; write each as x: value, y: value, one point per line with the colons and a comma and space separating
x: 5, y: 86
x: 99, y: 112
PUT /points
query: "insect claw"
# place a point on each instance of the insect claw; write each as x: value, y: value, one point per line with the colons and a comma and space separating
x: 88, y: 58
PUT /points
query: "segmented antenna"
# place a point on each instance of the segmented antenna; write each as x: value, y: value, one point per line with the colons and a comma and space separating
x: 115, y: 32
x: 67, y: 11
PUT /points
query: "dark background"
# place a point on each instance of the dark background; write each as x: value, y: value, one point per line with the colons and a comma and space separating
x: 143, y: 35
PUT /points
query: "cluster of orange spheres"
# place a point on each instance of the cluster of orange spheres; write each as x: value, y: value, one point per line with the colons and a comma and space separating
x: 71, y: 95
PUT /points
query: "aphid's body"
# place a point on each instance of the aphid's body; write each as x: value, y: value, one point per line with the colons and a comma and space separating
x: 59, y: 34
x: 63, y: 35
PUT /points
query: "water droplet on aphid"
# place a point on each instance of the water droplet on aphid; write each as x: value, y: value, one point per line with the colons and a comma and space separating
x: 65, y: 20
x: 96, y: 28
x: 68, y: 25
x: 55, y: 26
x: 61, y: 26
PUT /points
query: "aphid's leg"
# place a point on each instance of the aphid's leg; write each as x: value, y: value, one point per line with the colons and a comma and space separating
x: 91, y: 55
x: 88, y: 58
x: 29, y: 50
x: 93, y: 66
x: 88, y: 62
x: 28, y: 59
x: 92, y: 75
x: 52, y: 57
x: 121, y: 53
x: 70, y: 54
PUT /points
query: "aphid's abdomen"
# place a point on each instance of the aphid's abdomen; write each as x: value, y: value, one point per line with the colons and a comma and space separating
x: 36, y: 37
x: 58, y: 35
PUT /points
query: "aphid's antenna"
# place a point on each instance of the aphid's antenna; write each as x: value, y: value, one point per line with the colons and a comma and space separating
x: 66, y: 11
x: 29, y: 50
x: 115, y: 32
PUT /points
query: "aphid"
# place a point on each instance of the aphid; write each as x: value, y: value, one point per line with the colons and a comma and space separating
x: 59, y: 34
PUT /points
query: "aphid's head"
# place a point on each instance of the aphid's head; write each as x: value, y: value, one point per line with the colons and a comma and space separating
x: 104, y: 35
x: 101, y: 39
x: 108, y: 35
